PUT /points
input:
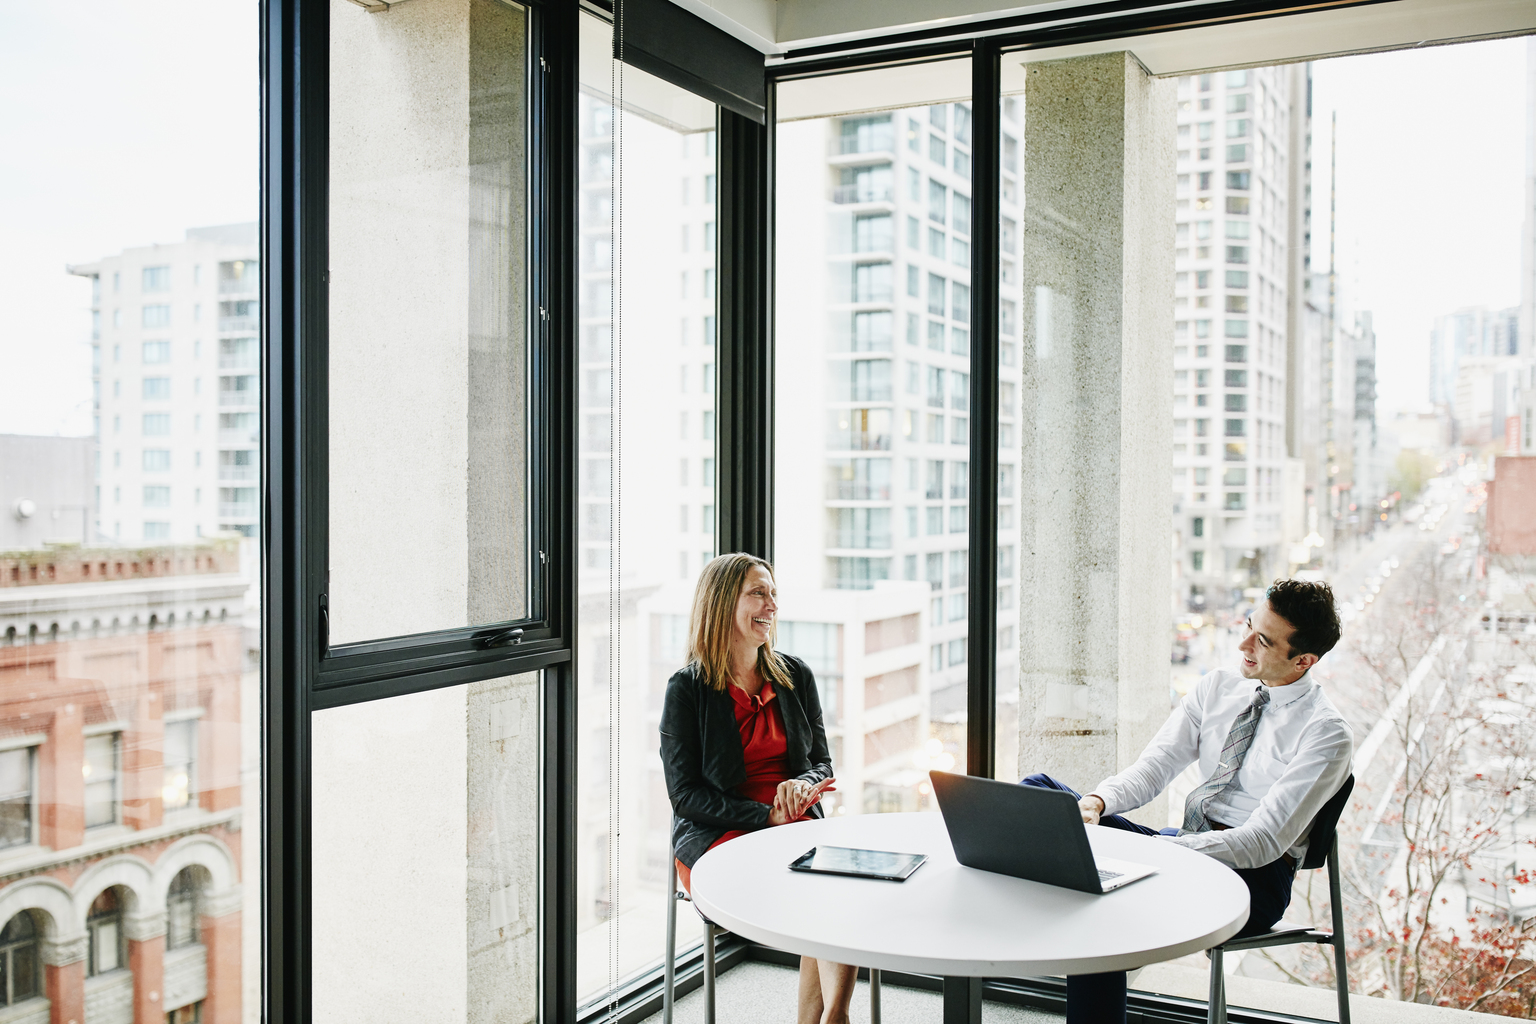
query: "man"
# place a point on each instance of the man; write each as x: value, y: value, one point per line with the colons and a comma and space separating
x: 1271, y: 748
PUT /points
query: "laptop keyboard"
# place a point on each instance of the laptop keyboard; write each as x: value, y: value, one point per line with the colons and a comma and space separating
x: 1105, y: 876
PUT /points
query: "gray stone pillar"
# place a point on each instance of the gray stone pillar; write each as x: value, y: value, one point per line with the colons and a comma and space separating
x: 1096, y: 463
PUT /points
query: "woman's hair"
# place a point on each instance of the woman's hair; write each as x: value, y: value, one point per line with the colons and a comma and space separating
x: 712, y: 623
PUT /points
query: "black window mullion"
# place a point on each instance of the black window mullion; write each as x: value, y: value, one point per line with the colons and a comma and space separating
x: 744, y: 358
x: 981, y: 590
x: 295, y: 47
x: 554, y: 196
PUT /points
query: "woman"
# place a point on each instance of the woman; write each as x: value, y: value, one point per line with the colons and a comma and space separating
x: 742, y: 741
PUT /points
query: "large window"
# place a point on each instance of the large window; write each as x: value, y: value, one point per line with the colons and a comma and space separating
x: 871, y: 513
x: 647, y: 464
x: 127, y: 606
x: 1323, y: 479
x: 428, y: 542
x: 429, y: 323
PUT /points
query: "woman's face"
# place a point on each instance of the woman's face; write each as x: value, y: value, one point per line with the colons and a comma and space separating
x: 756, y: 607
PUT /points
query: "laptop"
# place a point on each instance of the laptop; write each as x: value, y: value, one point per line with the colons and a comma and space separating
x: 1025, y: 832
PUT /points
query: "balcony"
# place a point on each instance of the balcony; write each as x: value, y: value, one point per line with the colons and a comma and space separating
x: 230, y: 474
x: 248, y: 397
x: 237, y: 510
x: 846, y: 194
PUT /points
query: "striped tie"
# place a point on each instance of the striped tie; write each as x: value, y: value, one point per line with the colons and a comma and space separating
x: 1239, y: 739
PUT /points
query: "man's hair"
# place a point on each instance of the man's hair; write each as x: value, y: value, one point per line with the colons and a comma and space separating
x: 1308, y: 607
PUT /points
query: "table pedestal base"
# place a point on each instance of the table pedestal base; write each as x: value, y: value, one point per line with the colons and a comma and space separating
x: 962, y: 1001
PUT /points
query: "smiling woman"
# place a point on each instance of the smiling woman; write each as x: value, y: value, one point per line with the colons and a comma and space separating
x: 772, y: 768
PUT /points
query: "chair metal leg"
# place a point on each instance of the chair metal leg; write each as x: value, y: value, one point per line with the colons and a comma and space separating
x: 874, y: 996
x: 670, y: 984
x: 1340, y: 961
x: 1216, y: 998
x: 709, y: 972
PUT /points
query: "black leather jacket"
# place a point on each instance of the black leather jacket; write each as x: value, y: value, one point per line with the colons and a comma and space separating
x: 701, y: 754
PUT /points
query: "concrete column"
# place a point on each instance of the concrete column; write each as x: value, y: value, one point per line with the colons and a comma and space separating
x: 64, y: 979
x: 61, y: 800
x: 221, y: 938
x: 1096, y: 463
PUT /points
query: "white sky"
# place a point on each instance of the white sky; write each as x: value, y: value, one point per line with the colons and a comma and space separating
x: 125, y: 124
x: 1431, y: 189
x: 121, y: 124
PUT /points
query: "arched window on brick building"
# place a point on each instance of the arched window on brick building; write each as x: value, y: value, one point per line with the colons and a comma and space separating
x: 19, y: 960
x: 181, y: 910
x: 108, y: 949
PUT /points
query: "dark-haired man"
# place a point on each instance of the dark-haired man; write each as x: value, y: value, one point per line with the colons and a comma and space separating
x: 1271, y: 749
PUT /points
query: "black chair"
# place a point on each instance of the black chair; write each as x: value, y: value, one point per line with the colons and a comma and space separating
x: 1322, y: 850
x: 711, y: 931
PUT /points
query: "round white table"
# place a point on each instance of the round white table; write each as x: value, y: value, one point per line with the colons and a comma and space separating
x: 963, y: 923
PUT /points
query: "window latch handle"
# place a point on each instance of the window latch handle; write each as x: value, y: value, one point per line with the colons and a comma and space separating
x: 506, y: 638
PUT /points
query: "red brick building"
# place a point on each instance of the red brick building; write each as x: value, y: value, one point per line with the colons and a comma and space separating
x: 1512, y: 506
x: 120, y: 756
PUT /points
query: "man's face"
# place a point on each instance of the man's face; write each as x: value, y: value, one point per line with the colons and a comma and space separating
x: 1266, y: 649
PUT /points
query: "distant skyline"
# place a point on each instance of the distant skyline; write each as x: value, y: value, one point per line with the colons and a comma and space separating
x: 1431, y: 189
x: 129, y: 124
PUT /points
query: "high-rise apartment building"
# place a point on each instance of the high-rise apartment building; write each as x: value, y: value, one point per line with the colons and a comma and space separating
x: 174, y: 368
x: 873, y: 345
x: 1242, y: 208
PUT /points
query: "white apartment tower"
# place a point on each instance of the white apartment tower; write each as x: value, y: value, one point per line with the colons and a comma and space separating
x: 1234, y: 280
x: 873, y: 344
x: 174, y: 369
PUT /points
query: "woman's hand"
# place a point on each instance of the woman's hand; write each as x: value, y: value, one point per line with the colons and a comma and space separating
x: 794, y: 797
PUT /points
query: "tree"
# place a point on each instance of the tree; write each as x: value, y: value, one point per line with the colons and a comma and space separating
x: 1433, y: 884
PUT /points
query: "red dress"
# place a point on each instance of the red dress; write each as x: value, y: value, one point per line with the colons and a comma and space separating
x: 764, y: 748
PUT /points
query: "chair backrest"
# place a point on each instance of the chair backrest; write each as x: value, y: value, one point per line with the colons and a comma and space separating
x: 1320, y: 835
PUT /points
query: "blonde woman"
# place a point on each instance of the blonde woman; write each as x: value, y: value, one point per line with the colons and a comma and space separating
x: 743, y: 743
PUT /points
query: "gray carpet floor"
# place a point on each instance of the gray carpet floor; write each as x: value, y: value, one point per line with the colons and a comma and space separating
x: 755, y: 993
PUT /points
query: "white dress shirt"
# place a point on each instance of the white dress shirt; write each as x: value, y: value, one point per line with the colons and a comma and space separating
x: 1300, y: 756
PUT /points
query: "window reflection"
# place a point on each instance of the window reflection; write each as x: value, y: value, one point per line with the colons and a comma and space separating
x: 646, y: 466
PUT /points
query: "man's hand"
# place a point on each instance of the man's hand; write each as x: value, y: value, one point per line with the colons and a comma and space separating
x: 1091, y: 806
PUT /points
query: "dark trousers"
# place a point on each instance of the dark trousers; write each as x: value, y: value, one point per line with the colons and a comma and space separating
x: 1100, y: 998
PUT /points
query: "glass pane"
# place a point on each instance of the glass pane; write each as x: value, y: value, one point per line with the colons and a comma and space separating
x: 873, y: 349
x: 428, y: 319
x: 100, y: 772
x: 106, y: 946
x: 433, y: 799
x: 129, y: 563
x: 1370, y: 473
x: 23, y: 977
x: 15, y: 772
x: 180, y: 744
x: 647, y: 472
